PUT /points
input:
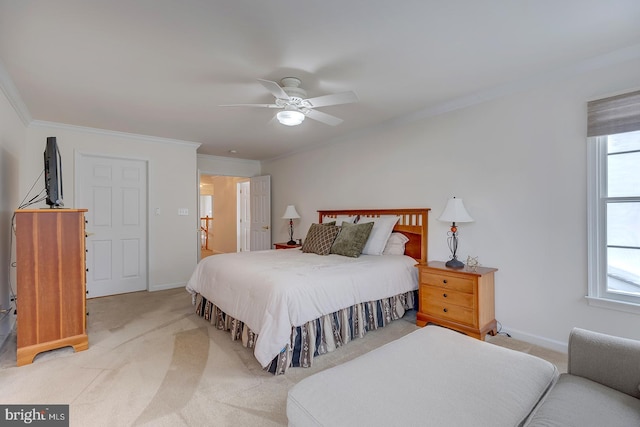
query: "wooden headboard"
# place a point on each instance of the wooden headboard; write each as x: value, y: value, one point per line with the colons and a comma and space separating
x: 413, y: 223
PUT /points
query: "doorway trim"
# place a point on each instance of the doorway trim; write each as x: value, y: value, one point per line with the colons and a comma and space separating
x: 243, y: 192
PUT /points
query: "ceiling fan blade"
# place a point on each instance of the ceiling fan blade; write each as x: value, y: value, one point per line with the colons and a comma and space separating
x: 251, y: 105
x: 334, y: 99
x: 325, y: 118
x: 274, y: 88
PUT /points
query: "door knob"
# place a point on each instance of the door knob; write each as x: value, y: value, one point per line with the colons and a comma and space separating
x: 265, y: 227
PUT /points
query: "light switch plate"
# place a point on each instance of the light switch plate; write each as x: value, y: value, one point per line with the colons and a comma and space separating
x: 183, y: 211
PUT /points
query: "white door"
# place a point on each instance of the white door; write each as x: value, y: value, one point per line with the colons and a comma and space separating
x: 260, y: 212
x: 114, y: 191
x: 244, y: 217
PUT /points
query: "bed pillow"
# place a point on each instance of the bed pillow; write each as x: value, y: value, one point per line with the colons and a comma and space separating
x: 319, y: 239
x: 382, y: 228
x: 351, y: 239
x: 395, y: 245
x: 339, y: 219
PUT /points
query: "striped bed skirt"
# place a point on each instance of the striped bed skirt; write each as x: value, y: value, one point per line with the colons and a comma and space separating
x: 318, y: 336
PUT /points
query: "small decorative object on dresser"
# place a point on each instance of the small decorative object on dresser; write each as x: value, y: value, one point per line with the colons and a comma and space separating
x: 458, y: 299
x: 286, y: 245
x: 472, y: 263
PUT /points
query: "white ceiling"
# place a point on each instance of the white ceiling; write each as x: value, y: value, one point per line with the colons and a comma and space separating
x: 162, y: 67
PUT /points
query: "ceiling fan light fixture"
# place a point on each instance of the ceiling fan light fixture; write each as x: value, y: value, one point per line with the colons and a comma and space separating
x: 290, y: 117
x: 295, y: 106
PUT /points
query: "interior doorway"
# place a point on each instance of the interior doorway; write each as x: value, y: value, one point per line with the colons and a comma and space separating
x: 206, y: 224
x: 219, y: 231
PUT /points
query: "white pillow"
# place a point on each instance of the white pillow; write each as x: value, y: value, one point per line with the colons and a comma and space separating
x: 339, y: 219
x: 382, y: 228
x: 395, y: 244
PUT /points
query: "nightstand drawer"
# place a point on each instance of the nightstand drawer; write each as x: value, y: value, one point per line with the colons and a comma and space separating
x: 452, y: 312
x: 439, y: 295
x: 449, y: 282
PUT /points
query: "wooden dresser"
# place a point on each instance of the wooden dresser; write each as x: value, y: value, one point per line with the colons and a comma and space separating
x: 460, y: 299
x: 51, y: 276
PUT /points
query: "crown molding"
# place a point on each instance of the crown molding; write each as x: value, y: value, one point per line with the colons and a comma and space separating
x: 618, y: 56
x: 113, y: 133
x: 11, y: 92
x: 13, y: 96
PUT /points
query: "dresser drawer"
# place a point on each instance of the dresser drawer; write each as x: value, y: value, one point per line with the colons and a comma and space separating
x: 443, y: 296
x: 452, y: 312
x: 450, y: 282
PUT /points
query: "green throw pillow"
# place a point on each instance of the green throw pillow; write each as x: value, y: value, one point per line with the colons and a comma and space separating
x: 351, y: 239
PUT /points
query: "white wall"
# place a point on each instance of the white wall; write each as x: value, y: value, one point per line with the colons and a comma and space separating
x: 173, y: 240
x: 12, y: 137
x: 518, y: 162
x: 227, y: 166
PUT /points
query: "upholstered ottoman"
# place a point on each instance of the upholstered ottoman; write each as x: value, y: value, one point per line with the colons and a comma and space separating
x: 431, y: 377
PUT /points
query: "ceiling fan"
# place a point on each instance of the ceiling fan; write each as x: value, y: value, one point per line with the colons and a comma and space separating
x: 295, y: 105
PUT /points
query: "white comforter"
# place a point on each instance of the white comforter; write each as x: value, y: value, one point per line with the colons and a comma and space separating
x: 273, y: 290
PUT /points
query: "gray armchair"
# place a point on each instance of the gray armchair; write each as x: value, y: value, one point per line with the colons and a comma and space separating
x: 601, y: 386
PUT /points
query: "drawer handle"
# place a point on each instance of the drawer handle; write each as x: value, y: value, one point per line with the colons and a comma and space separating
x: 444, y: 295
x: 444, y: 281
x: 445, y: 310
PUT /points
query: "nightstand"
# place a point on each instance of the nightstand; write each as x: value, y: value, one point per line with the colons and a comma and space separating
x: 461, y: 299
x: 285, y: 246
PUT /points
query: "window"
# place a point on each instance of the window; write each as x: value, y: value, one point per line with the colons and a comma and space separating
x: 614, y: 202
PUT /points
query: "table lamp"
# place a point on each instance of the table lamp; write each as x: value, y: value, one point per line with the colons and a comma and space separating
x: 454, y: 212
x: 290, y: 213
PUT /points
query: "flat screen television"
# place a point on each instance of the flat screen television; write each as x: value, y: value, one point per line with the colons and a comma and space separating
x: 53, y: 173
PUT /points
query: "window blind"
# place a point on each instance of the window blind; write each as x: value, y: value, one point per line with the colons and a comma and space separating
x: 616, y: 114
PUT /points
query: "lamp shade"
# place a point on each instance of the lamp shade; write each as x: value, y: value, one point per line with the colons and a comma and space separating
x: 290, y: 213
x: 290, y: 117
x: 455, y: 212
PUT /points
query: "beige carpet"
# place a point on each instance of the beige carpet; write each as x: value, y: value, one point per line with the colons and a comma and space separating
x: 152, y: 362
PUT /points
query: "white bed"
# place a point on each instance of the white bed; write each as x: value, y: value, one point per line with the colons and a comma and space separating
x: 264, y: 296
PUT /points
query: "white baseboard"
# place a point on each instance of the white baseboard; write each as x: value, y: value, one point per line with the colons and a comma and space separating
x: 165, y: 286
x: 537, y: 340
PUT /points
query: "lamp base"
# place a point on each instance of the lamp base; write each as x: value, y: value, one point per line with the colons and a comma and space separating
x: 454, y: 263
x: 291, y: 242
